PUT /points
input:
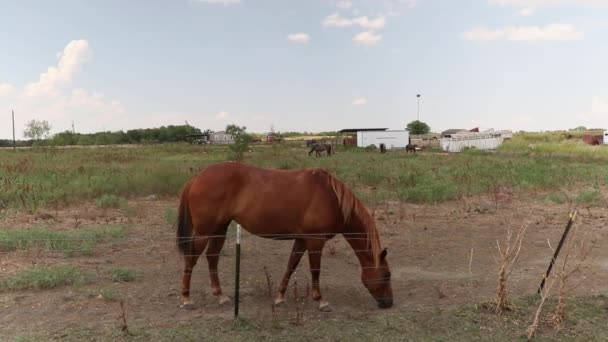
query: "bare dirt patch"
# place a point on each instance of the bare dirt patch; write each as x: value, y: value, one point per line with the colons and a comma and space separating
x: 440, y: 256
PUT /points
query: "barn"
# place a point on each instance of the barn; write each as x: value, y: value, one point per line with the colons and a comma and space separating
x: 364, y: 137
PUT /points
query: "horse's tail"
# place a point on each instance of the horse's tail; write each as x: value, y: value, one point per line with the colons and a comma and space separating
x: 350, y: 205
x: 184, y: 223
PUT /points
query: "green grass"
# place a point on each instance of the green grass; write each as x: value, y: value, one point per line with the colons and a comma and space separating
x: 70, y: 243
x: 110, y: 201
x: 171, y: 216
x: 123, y: 275
x: 589, y: 197
x: 585, y: 322
x: 44, y: 278
x: 107, y: 293
x: 529, y: 162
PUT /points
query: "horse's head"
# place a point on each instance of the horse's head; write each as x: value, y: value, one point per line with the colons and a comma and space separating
x: 377, y: 280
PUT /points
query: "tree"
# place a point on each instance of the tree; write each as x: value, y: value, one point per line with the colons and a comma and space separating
x: 241, y: 141
x: 37, y: 130
x: 418, y: 127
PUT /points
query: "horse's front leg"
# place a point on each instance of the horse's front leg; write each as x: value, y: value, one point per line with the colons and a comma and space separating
x: 198, y: 246
x: 213, y: 256
x: 294, y: 259
x: 315, y: 250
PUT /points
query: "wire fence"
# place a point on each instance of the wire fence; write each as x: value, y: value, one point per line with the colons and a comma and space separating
x: 341, y: 270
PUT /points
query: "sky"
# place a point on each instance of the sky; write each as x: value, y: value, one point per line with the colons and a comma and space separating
x: 309, y: 65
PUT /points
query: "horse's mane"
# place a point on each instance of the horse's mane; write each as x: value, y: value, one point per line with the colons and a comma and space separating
x: 351, y: 205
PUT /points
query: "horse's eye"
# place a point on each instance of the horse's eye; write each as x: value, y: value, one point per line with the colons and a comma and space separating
x: 387, y: 275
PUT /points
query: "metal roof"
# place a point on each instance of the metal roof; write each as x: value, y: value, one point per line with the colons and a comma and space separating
x: 355, y: 130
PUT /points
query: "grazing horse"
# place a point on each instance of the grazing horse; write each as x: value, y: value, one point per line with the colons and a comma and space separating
x: 314, y: 207
x: 410, y: 148
x: 318, y: 148
x: 382, y: 148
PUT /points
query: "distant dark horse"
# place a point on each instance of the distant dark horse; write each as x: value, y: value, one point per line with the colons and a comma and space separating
x: 410, y: 148
x: 318, y: 148
x: 382, y: 148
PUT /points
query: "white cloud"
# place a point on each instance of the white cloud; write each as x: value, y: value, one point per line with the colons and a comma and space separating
x: 523, y: 120
x: 49, y: 98
x: 220, y: 2
x: 76, y: 53
x: 300, y: 37
x: 553, y: 32
x: 528, y: 7
x: 360, y: 101
x: 367, y: 38
x: 599, y: 106
x: 597, y: 116
x: 546, y: 3
x: 526, y: 11
x: 409, y: 3
x: 335, y: 20
x: 344, y: 5
x: 6, y: 89
x: 222, y: 115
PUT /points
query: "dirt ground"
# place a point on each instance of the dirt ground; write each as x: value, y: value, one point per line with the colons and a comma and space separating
x: 440, y: 256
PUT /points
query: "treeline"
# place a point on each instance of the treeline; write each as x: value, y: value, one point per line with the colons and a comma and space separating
x: 162, y: 134
x: 18, y: 143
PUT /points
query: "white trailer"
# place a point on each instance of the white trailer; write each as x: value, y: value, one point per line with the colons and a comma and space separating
x: 605, y: 137
x: 390, y: 139
x: 489, y: 140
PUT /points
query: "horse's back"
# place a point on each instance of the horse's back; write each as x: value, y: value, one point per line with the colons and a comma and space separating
x: 265, y: 201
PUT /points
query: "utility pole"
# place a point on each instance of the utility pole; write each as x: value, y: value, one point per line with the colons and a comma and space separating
x: 14, y: 143
x: 418, y: 96
x: 73, y: 131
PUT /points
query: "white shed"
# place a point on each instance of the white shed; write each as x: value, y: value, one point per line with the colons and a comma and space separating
x: 390, y: 138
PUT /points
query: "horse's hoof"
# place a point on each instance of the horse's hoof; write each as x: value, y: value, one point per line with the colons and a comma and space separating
x: 187, y: 306
x: 223, y: 300
x: 325, y: 307
x: 279, y: 301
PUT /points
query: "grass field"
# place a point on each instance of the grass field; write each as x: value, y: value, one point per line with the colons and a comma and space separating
x: 31, y: 179
x: 83, y: 229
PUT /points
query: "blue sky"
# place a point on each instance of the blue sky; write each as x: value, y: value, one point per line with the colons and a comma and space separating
x: 304, y: 65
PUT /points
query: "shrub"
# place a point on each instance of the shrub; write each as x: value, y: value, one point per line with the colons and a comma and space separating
x: 123, y: 275
x: 109, y: 201
x: 45, y: 277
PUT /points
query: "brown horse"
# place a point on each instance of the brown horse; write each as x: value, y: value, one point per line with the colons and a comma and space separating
x: 314, y: 207
x: 318, y: 148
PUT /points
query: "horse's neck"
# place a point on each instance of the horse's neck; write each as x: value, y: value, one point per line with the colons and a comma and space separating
x: 357, y: 238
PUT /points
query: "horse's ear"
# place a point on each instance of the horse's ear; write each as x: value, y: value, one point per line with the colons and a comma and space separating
x: 383, y: 254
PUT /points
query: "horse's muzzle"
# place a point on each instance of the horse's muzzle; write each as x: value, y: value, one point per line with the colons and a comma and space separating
x: 385, y: 303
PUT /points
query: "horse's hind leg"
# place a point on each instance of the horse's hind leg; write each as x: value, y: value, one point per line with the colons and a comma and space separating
x: 315, y: 249
x: 294, y: 259
x: 198, y: 246
x: 216, y: 243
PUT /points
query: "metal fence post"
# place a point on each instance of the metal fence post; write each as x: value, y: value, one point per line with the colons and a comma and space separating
x: 238, y: 270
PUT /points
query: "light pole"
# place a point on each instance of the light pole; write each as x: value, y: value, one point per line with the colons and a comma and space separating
x: 418, y: 96
x: 14, y: 143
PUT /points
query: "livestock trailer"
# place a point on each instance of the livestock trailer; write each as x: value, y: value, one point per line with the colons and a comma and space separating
x: 390, y: 138
x: 489, y: 140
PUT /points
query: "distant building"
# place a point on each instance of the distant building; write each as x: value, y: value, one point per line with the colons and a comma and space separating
x: 448, y: 133
x: 364, y: 137
x: 221, y: 137
x: 486, y: 140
